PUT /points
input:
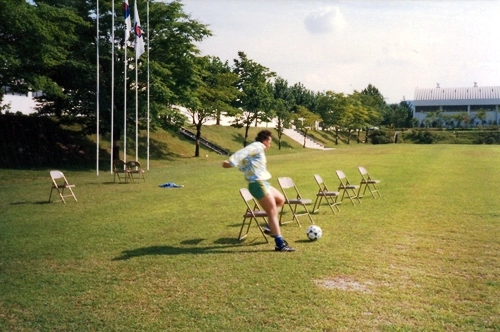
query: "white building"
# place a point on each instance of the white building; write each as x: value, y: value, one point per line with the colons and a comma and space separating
x: 458, y: 100
x: 20, y: 102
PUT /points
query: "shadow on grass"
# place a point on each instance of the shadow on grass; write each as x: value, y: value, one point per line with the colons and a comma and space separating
x: 221, y: 248
x: 37, y: 202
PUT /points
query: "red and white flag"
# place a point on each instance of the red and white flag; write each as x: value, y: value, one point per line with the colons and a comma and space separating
x: 139, y: 40
x: 126, y: 16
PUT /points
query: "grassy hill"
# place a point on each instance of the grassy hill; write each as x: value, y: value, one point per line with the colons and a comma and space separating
x: 28, y: 142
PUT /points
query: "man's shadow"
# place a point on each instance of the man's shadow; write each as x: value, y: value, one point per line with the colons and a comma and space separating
x: 190, y: 247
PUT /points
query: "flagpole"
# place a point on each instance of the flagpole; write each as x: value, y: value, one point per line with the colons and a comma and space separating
x: 125, y: 106
x: 147, y: 89
x: 112, y: 82
x: 97, y: 91
x: 136, y: 112
x: 139, y: 49
x: 126, y: 15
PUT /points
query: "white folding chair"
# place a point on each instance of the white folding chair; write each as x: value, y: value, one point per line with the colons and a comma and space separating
x: 135, y: 170
x: 120, y: 170
x: 252, y: 213
x: 60, y: 183
x: 368, y: 183
x: 347, y: 188
x: 329, y: 196
x: 288, y: 186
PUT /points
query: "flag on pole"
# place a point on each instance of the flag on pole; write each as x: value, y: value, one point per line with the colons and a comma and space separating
x: 139, y: 41
x: 126, y: 15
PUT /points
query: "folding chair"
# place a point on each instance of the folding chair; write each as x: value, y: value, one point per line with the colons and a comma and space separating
x: 329, y: 196
x: 347, y: 188
x: 135, y: 171
x: 120, y: 170
x: 368, y: 182
x: 252, y: 213
x: 60, y: 183
x: 287, y: 185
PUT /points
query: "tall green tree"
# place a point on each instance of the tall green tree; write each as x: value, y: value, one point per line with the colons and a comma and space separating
x: 305, y: 120
x: 214, y: 94
x: 304, y: 97
x: 282, y: 104
x: 70, y: 76
x: 356, y: 114
x: 332, y: 108
x: 36, y: 41
x: 398, y: 115
x: 256, y: 99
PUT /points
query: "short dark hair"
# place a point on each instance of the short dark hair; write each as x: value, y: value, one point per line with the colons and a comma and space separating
x: 263, y: 135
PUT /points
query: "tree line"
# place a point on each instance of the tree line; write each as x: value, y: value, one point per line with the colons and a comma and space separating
x: 50, y: 45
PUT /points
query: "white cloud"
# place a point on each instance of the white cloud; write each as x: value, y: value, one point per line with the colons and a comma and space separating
x: 325, y: 20
x: 394, y: 45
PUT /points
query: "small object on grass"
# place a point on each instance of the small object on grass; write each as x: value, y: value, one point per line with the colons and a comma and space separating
x: 170, y: 185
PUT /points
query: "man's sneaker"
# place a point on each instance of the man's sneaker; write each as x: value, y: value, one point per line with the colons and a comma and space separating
x: 284, y: 247
x: 267, y: 231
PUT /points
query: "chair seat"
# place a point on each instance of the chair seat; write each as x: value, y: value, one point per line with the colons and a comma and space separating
x: 328, y: 193
x: 372, y: 181
x: 300, y: 201
x: 256, y: 214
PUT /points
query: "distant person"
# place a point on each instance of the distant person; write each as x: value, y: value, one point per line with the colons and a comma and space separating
x: 251, y: 160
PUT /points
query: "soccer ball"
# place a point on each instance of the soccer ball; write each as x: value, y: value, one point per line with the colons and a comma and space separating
x: 314, y: 232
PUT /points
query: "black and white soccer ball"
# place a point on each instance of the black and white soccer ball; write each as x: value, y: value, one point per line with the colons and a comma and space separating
x: 314, y: 232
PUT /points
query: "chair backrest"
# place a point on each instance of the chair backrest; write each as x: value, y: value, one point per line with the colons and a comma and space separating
x: 363, y: 171
x: 286, y: 182
x: 118, y: 165
x: 133, y: 163
x: 55, y: 175
x: 58, y: 176
x: 319, y: 180
x: 343, y: 178
x: 249, y: 201
x: 340, y: 174
x: 245, y: 193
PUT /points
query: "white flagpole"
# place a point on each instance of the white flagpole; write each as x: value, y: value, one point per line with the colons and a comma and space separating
x: 112, y: 82
x: 97, y: 91
x: 147, y: 36
x: 125, y: 61
x: 136, y: 113
x: 139, y: 49
x: 125, y: 106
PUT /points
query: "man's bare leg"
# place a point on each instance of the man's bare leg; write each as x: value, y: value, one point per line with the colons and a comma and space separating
x: 271, y: 203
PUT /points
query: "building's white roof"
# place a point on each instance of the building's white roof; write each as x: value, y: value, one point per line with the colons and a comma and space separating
x: 464, y: 93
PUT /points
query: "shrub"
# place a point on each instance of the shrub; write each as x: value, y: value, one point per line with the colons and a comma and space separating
x: 379, y: 137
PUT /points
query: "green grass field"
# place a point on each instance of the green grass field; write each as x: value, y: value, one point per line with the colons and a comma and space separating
x: 136, y: 257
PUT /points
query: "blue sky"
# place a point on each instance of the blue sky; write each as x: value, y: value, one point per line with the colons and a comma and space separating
x: 343, y: 46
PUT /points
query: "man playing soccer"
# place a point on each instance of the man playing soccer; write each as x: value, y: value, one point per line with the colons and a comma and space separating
x: 251, y: 160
